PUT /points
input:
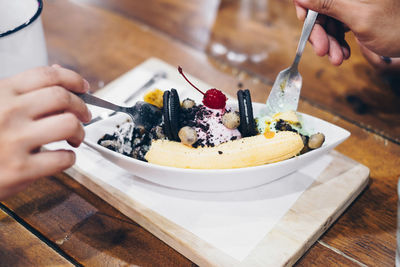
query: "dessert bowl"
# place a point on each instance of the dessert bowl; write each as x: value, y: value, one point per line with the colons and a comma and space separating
x: 215, y: 179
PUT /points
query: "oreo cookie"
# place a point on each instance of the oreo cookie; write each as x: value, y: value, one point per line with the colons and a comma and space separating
x: 146, y: 115
x: 171, y: 110
x: 247, y: 125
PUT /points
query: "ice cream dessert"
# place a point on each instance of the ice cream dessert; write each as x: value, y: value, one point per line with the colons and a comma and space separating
x: 290, y: 121
x: 189, y: 123
x: 209, y: 125
x: 207, y: 135
x: 134, y: 139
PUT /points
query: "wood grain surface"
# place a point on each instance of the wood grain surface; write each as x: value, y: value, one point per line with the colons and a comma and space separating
x: 19, y: 247
x: 92, y: 232
x: 103, y: 39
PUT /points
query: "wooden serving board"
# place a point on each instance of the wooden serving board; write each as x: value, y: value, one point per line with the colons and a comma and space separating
x: 312, y: 214
x: 307, y: 219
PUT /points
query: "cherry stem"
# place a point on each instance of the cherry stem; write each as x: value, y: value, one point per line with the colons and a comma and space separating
x: 181, y: 72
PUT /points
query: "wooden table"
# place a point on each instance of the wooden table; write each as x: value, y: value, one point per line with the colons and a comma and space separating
x: 229, y: 44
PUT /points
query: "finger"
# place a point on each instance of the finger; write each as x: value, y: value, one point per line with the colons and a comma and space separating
x: 380, y: 63
x: 339, y: 9
x: 54, y: 128
x: 336, y: 29
x: 335, y: 51
x: 300, y: 12
x: 319, y: 40
x: 12, y: 188
x: 341, y: 37
x: 346, y: 50
x: 46, y: 77
x: 37, y: 165
x: 53, y: 100
x: 48, y: 163
x: 373, y: 58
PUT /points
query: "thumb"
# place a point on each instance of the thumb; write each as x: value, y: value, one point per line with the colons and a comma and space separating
x: 338, y: 9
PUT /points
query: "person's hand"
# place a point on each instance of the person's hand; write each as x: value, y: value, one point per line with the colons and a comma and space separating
x: 384, y: 65
x: 38, y: 107
x: 376, y: 25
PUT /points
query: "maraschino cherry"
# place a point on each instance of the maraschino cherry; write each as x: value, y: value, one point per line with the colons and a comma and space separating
x: 213, y: 98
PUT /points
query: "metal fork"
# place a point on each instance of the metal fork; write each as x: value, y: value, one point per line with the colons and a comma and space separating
x: 155, y: 78
x: 285, y: 92
x: 93, y: 100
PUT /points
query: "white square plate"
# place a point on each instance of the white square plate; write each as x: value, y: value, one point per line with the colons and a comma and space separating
x: 215, y: 180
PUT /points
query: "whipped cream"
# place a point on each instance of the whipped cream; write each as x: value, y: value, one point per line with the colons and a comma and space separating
x: 210, y: 129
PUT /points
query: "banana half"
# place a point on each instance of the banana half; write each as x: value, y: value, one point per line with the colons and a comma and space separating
x: 245, y: 152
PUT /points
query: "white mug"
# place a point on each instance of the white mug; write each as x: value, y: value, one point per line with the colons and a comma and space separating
x: 22, y: 42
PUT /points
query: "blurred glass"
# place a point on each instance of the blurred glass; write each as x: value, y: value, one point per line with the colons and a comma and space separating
x: 258, y: 36
x: 22, y: 43
x: 233, y: 33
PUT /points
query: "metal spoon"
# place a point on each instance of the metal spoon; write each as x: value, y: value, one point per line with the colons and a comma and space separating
x: 285, y: 92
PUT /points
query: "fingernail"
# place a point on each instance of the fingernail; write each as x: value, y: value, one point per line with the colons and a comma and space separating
x: 346, y: 53
x: 387, y: 60
x: 89, y: 114
x: 56, y: 66
x: 86, y: 85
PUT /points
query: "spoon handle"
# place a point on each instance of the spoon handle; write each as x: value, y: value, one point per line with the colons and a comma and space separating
x: 305, y: 33
x: 93, y: 100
